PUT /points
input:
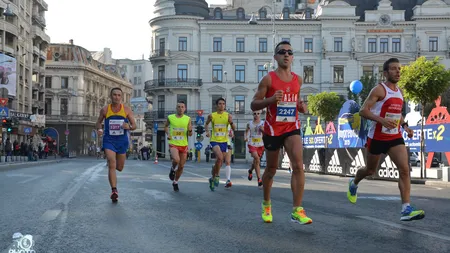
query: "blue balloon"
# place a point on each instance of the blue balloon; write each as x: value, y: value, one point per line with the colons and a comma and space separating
x: 356, y: 86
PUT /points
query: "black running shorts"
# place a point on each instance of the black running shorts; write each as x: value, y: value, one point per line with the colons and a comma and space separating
x: 273, y: 143
x: 377, y: 147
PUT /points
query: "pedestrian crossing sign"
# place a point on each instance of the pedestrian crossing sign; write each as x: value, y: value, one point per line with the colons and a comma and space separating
x: 4, y: 112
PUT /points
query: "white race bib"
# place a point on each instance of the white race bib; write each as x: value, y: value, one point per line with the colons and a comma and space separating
x: 220, y: 130
x: 116, y: 127
x: 392, y: 116
x: 286, y: 111
x: 178, y: 134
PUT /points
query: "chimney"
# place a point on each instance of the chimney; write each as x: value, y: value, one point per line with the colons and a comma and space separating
x: 71, y: 42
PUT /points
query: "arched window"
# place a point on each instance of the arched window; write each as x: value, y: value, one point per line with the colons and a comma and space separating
x: 263, y: 13
x: 240, y: 13
x: 285, y: 13
x: 218, y: 13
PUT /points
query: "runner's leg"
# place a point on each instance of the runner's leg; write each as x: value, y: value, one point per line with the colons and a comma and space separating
x: 174, y: 154
x: 183, y: 158
x: 294, y: 150
x: 399, y: 155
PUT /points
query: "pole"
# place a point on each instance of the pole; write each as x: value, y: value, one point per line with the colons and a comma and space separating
x: 273, y: 34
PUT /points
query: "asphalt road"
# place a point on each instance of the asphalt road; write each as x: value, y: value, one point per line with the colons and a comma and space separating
x: 66, y: 208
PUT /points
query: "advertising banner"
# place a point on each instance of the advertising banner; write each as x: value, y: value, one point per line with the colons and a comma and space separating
x: 8, y: 74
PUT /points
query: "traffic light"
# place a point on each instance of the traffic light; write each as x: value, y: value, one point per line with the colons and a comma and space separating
x: 6, y: 123
x: 200, y: 130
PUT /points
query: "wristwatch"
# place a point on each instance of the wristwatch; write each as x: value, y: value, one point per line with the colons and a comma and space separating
x: 405, y: 124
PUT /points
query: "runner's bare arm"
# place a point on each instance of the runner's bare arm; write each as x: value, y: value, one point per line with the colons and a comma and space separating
x: 100, y: 119
x: 131, y: 120
x: 208, y: 120
x: 259, y: 100
x: 247, y: 129
x: 230, y: 121
x: 190, y: 128
x: 166, y: 128
x: 375, y: 94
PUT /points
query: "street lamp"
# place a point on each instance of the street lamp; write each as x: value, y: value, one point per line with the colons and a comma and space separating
x: 226, y: 88
x: 8, y: 12
x: 253, y: 21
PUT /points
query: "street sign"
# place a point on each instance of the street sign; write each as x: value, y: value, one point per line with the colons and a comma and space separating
x: 155, y: 126
x: 198, y: 145
x: 200, y: 112
x: 3, y: 102
x: 4, y: 112
x: 200, y: 138
x: 200, y: 120
x: 66, y: 132
x: 27, y: 130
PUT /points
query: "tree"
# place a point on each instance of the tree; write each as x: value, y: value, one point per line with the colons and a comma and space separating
x: 368, y: 83
x: 423, y: 82
x: 325, y: 105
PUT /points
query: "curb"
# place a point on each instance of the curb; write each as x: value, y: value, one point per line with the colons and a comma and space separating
x: 437, y: 183
x: 4, y: 167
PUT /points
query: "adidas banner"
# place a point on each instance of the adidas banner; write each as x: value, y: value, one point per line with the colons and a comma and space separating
x: 314, y: 160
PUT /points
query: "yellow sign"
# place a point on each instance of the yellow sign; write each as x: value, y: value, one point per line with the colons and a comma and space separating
x: 385, y: 30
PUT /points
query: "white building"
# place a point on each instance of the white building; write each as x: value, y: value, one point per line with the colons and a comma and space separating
x: 77, y: 87
x: 202, y: 57
x: 23, y: 50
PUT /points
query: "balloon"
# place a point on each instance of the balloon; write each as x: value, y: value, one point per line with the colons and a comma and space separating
x: 356, y: 86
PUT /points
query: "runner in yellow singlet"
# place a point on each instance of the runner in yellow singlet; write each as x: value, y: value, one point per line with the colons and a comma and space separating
x: 219, y: 138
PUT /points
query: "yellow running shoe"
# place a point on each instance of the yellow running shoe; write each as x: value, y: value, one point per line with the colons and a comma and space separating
x: 299, y: 216
x: 266, y: 213
x: 351, y: 192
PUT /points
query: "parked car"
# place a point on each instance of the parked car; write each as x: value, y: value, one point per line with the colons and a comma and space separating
x: 414, y: 160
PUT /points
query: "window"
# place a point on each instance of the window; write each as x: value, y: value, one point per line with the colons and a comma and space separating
x: 308, y: 14
x: 135, y: 80
x: 239, y: 104
x: 182, y: 72
x: 139, y: 81
x: 64, y: 106
x: 217, y: 44
x: 338, y: 44
x: 213, y: 101
x: 139, y: 68
x: 217, y: 13
x: 217, y: 73
x: 240, y: 73
x: 372, y: 45
x: 396, y: 45
x: 384, y: 45
x: 64, y: 82
x: 433, y: 44
x: 308, y: 74
x: 262, y: 71
x: 135, y: 93
x: 286, y: 39
x: 240, y: 44
x: 338, y: 76
x: 161, y: 74
x: 135, y: 69
x: 262, y: 45
x: 285, y: 13
x: 182, y: 44
x: 162, y: 46
x: 262, y: 13
x: 240, y: 13
x: 139, y: 93
x: 48, y: 106
x: 182, y: 97
x: 308, y: 45
x: 368, y: 71
x: 48, y: 82
x: 161, y: 106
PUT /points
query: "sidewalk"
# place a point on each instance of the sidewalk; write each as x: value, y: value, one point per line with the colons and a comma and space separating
x: 24, y: 164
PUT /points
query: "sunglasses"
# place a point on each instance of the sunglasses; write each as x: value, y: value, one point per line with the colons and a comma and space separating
x: 256, y: 113
x: 283, y: 52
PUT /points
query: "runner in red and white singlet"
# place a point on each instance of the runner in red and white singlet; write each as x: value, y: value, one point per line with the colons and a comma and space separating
x: 253, y: 137
x: 279, y: 91
x: 384, y: 108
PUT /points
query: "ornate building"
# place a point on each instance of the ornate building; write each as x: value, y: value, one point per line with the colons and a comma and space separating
x: 77, y: 87
x: 200, y: 56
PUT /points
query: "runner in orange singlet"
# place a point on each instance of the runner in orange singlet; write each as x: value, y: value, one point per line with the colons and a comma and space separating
x: 279, y: 91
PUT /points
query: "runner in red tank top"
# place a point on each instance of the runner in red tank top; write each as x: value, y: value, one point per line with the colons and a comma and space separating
x: 279, y: 91
x: 384, y: 108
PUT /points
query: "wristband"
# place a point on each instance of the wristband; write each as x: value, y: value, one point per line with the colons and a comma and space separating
x: 405, y: 124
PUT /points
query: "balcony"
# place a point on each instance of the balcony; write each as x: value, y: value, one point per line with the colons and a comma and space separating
x: 38, y: 104
x: 38, y: 32
x: 36, y: 50
x: 35, y: 67
x: 9, y: 27
x: 43, y: 54
x: 159, y: 53
x: 39, y: 20
x: 35, y: 86
x: 75, y: 118
x: 43, y: 4
x: 189, y: 83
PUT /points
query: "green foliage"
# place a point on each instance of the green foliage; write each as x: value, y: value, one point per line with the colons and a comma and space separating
x: 424, y: 80
x: 325, y: 105
x: 368, y: 83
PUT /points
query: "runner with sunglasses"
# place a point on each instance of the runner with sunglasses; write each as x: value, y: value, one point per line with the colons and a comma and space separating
x: 279, y: 91
x: 253, y: 137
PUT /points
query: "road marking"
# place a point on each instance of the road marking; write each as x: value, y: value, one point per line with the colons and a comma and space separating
x: 223, y: 182
x: 29, y: 180
x: 415, y: 230
x: 50, y: 215
x: 386, y: 198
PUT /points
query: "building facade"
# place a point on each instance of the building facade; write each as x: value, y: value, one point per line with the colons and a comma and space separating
x: 22, y: 65
x: 203, y: 57
x: 77, y: 87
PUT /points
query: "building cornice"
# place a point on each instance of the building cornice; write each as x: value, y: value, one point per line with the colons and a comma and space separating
x: 290, y: 22
x: 174, y: 17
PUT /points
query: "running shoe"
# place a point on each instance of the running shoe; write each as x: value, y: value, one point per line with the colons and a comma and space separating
x: 211, y: 184
x: 410, y: 213
x: 299, y: 216
x: 216, y: 181
x: 172, y: 174
x: 266, y: 213
x: 228, y: 184
x: 175, y: 187
x: 115, y: 196
x: 351, y: 192
x: 259, y: 182
x: 250, y: 175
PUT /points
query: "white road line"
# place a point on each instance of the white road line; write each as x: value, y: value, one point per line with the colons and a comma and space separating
x: 223, y: 182
x: 30, y: 179
x: 415, y: 230
x: 50, y: 215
